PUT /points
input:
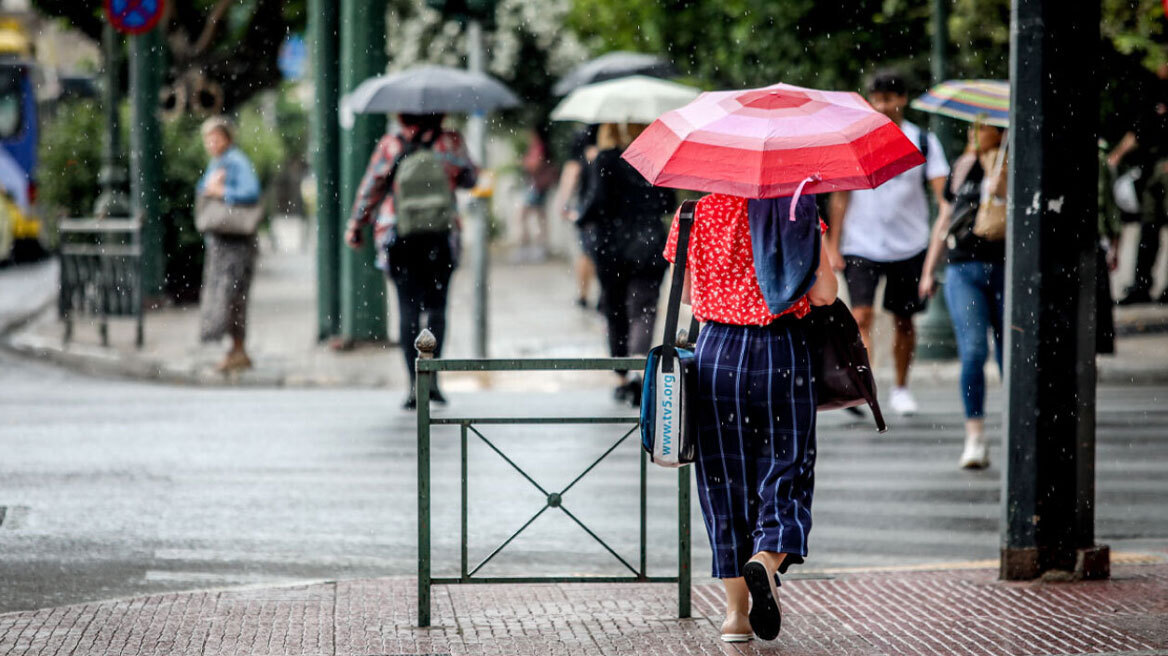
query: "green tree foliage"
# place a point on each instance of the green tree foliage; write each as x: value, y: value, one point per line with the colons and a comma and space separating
x: 70, y: 159
x: 743, y: 43
x: 230, y: 46
x: 979, y: 31
x: 1136, y: 27
x: 529, y: 45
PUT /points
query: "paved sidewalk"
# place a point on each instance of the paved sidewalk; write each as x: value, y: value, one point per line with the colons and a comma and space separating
x: 531, y: 314
x: 928, y: 612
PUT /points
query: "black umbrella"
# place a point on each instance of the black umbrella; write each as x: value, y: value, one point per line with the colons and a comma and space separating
x: 614, y: 65
x: 428, y: 90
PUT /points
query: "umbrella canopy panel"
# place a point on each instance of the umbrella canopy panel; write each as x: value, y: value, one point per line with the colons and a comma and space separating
x: 987, y: 101
x: 766, y: 143
x: 429, y: 90
x: 613, y: 65
x: 633, y: 99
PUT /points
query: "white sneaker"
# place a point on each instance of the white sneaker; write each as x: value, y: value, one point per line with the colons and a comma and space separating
x: 902, y: 401
x: 976, y: 454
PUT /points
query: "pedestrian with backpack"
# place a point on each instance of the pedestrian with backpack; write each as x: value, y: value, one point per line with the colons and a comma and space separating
x: 408, y: 193
x: 884, y: 232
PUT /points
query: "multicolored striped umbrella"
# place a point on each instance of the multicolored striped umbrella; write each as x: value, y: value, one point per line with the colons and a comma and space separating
x: 987, y: 101
x: 775, y: 141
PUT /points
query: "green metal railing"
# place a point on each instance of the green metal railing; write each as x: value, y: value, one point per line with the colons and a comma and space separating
x: 101, y: 273
x: 427, y: 368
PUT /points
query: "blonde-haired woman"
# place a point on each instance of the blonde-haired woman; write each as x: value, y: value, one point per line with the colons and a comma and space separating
x: 229, y: 262
x: 627, y: 214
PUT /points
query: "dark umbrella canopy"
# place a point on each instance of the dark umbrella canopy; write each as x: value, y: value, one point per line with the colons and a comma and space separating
x: 429, y: 90
x: 614, y: 65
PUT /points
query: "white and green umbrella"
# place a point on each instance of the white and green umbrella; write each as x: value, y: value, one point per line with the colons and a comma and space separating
x: 633, y: 99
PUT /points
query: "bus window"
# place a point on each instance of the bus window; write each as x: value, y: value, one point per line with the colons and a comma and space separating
x: 10, y: 104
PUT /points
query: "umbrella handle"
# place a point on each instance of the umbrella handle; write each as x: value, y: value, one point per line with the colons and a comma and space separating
x: 799, y: 192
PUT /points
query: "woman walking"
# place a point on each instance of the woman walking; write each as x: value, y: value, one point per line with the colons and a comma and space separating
x: 974, y: 278
x: 409, y: 187
x: 229, y: 263
x: 756, y: 411
x: 627, y: 215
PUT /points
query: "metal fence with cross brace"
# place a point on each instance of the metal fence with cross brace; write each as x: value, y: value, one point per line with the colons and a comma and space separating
x: 427, y: 367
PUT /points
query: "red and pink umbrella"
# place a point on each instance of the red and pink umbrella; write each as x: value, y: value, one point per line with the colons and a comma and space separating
x: 780, y: 140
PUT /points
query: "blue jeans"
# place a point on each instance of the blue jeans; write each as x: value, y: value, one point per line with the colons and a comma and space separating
x: 975, y: 294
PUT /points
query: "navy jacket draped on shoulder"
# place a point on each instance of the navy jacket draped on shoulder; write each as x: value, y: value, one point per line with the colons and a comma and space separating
x: 786, y: 252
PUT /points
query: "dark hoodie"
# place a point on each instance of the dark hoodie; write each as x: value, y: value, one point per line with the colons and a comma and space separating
x: 627, y: 212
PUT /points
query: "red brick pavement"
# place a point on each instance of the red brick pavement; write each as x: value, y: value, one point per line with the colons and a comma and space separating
x: 920, y: 613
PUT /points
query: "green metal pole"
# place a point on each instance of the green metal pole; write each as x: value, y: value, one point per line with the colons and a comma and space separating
x: 147, y: 59
x: 362, y: 55
x: 1048, y: 517
x: 426, y: 345
x: 323, y: 27
x: 112, y: 201
x: 935, y: 340
x: 684, y: 588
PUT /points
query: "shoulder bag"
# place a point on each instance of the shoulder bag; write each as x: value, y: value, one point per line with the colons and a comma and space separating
x: 215, y: 216
x: 670, y: 388
x: 843, y: 375
x: 990, y: 222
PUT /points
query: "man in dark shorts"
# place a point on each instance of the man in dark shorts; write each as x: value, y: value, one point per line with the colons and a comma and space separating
x: 884, y: 232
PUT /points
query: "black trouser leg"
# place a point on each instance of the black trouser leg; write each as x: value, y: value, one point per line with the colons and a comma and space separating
x: 434, y: 304
x: 1146, y: 253
x: 1104, y: 319
x: 409, y: 300
x: 643, y: 294
x: 616, y: 312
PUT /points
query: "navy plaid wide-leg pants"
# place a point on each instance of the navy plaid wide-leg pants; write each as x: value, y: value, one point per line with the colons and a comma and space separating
x: 756, y: 441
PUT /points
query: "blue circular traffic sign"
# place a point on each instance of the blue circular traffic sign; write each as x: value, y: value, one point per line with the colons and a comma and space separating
x: 134, y: 16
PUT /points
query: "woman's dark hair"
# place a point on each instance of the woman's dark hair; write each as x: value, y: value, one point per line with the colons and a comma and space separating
x: 424, y: 122
x: 888, y: 82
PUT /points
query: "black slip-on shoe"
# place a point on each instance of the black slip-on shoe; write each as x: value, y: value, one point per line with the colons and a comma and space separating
x: 436, y: 396
x: 765, y: 616
x: 411, y: 402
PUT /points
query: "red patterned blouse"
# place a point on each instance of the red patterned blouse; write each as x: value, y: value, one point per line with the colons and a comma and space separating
x: 724, y: 287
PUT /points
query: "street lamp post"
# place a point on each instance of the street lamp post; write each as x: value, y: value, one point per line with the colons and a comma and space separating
x: 323, y: 26
x: 936, y: 340
x: 1049, y: 486
x: 477, y: 137
x: 113, y: 200
x: 147, y: 58
x: 362, y: 55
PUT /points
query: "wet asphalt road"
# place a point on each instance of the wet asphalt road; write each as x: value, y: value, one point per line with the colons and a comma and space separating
x: 111, y: 488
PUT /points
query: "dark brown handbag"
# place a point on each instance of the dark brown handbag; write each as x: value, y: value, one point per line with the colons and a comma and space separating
x: 843, y: 375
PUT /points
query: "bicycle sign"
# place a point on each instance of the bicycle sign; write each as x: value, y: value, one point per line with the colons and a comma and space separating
x: 134, y: 16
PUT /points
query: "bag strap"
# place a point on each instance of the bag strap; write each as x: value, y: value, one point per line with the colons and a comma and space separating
x: 685, y: 218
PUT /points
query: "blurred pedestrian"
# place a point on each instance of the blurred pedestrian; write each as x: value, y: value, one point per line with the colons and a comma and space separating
x: 409, y: 185
x: 567, y: 201
x: 1107, y: 259
x: 541, y: 174
x: 884, y: 232
x: 756, y: 408
x: 1135, y: 161
x: 974, y: 276
x: 627, y: 214
x: 229, y: 261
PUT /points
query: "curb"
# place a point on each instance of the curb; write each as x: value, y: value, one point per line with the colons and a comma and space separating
x: 96, y: 360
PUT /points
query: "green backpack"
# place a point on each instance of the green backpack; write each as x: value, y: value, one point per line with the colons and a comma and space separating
x: 422, y: 198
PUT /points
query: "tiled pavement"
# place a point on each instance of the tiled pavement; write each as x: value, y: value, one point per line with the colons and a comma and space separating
x: 964, y: 611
